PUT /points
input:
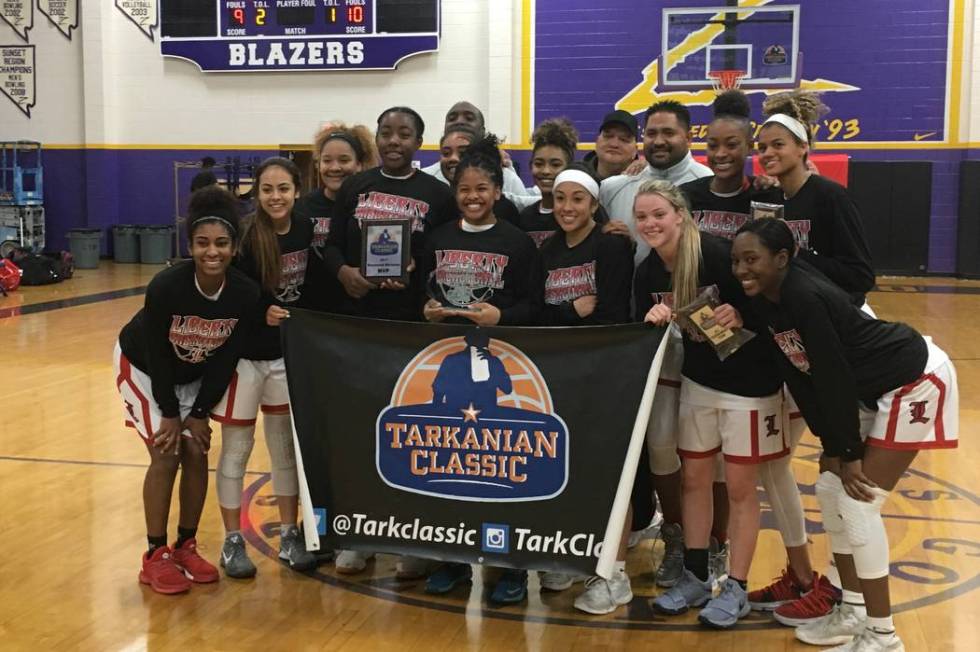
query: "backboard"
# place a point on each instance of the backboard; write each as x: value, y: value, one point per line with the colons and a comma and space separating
x: 763, y: 41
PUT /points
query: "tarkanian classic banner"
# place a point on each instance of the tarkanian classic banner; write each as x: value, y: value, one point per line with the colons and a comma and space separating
x: 501, y: 446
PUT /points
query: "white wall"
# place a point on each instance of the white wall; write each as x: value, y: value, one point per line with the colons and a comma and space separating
x: 58, y: 114
x: 130, y: 95
x: 970, y: 104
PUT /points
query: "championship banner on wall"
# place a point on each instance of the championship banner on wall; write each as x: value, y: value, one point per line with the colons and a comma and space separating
x: 499, y: 446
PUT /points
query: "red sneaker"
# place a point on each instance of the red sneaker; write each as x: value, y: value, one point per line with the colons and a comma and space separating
x: 815, y: 603
x: 196, y: 568
x: 162, y: 574
x: 784, y: 589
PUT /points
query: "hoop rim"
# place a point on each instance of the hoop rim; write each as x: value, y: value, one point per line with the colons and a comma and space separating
x: 726, y: 79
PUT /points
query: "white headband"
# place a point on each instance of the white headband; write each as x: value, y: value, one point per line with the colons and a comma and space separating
x: 579, y: 177
x: 796, y: 127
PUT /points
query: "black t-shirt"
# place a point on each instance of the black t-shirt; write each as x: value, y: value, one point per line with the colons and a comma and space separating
x: 540, y: 224
x: 828, y: 229
x: 371, y: 195
x: 600, y: 265
x: 500, y: 266
x: 323, y: 291
x: 834, y: 355
x: 294, y: 253
x: 751, y: 370
x: 180, y: 335
x: 723, y: 215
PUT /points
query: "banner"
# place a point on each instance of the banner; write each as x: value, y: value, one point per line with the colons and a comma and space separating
x: 499, y: 446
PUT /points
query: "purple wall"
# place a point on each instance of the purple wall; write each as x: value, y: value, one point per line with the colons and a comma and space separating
x: 100, y: 188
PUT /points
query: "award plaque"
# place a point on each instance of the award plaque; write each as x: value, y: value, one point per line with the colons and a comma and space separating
x: 385, y: 250
x: 762, y: 210
x: 698, y: 319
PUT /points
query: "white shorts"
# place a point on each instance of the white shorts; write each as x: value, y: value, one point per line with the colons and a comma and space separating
x: 136, y: 389
x: 662, y: 427
x: 793, y: 419
x: 255, y: 384
x: 923, y: 414
x: 746, y: 430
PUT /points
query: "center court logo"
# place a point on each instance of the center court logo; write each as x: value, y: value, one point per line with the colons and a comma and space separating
x: 472, y: 419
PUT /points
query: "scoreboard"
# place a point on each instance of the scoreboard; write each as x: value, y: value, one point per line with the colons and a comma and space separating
x: 274, y: 35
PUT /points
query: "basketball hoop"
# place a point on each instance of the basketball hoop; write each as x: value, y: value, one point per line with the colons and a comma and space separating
x: 726, y: 80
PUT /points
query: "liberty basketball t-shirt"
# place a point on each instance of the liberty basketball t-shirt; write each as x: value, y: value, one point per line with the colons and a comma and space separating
x: 419, y: 199
x: 500, y: 266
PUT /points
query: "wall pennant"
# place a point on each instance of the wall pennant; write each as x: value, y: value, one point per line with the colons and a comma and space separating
x: 63, y: 14
x: 17, y: 79
x: 143, y: 13
x: 19, y: 14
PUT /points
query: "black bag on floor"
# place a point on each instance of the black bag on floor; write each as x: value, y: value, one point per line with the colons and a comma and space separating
x: 41, y: 269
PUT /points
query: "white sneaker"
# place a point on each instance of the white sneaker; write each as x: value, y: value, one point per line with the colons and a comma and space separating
x: 411, y: 568
x: 350, y: 562
x: 841, y: 625
x: 605, y: 596
x: 651, y: 531
x: 870, y: 641
x: 558, y: 581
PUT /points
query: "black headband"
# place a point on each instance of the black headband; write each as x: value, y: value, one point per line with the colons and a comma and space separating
x: 350, y: 140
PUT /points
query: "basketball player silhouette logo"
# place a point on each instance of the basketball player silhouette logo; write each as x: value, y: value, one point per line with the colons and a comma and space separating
x: 471, y: 418
x: 384, y: 245
x: 471, y: 377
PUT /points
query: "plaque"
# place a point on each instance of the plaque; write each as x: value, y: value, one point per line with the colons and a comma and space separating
x: 385, y: 250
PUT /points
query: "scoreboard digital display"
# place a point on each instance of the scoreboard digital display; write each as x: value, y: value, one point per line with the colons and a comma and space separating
x: 269, y: 35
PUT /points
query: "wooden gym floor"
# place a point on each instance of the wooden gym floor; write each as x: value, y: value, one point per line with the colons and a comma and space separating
x: 71, y: 520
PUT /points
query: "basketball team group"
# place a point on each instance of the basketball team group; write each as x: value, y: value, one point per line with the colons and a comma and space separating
x: 780, y: 261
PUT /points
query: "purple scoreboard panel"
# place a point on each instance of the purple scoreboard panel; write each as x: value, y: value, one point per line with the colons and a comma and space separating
x: 271, y: 35
x: 882, y: 66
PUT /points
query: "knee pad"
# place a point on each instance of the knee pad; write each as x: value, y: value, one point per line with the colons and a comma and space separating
x: 784, y: 498
x: 664, y: 460
x: 236, y: 448
x: 829, y: 491
x: 866, y: 533
x: 279, y: 439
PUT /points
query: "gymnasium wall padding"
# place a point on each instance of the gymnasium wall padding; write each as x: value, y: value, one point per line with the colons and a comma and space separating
x: 894, y: 198
x: 968, y: 226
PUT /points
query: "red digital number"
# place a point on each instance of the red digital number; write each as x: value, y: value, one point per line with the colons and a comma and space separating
x: 355, y: 14
x: 238, y: 15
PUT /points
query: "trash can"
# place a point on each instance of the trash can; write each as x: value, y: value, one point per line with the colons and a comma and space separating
x: 126, y: 243
x: 85, y: 246
x: 155, y: 244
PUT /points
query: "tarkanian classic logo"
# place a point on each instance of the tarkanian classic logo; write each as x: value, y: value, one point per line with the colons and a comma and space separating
x: 471, y: 418
x: 384, y: 245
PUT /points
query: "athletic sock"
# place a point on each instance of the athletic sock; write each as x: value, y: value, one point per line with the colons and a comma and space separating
x: 881, y: 625
x: 155, y: 542
x: 184, y: 534
x: 743, y: 583
x: 696, y: 561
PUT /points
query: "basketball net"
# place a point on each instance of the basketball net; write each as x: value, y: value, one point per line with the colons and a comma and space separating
x: 726, y: 80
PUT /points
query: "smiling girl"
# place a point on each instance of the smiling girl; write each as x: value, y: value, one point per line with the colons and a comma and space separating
x: 491, y: 268
x: 823, y: 217
x: 874, y: 392
x: 173, y: 361
x: 553, y: 148
x: 340, y: 152
x: 725, y: 406
x: 396, y: 190
x: 274, y: 253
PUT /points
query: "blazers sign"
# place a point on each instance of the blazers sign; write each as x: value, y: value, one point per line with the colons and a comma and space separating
x: 499, y: 445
